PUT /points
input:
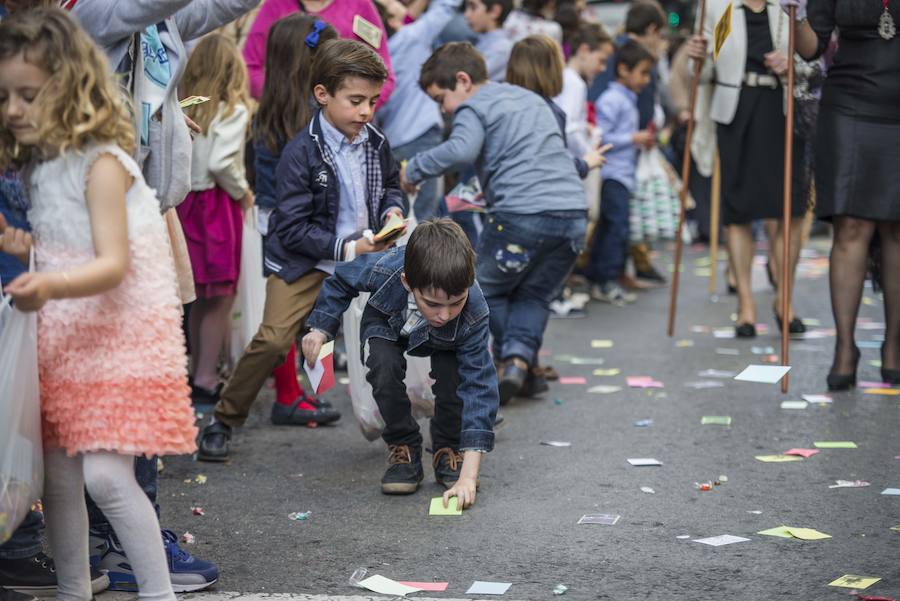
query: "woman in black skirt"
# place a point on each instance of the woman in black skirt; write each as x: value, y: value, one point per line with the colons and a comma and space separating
x: 748, y: 107
x: 858, y: 163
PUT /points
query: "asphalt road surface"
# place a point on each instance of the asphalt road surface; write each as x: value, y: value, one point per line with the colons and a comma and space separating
x: 523, y: 528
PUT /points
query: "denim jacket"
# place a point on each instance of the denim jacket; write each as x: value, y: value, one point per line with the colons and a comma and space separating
x: 384, y: 316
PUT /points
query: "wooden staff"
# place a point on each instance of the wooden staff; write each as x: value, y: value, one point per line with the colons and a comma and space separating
x: 785, y: 287
x: 715, y: 202
x: 685, y: 180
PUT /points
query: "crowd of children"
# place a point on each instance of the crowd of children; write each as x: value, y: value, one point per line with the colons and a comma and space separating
x: 334, y: 118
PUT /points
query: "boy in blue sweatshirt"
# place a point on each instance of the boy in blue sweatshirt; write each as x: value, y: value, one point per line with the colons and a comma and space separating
x: 424, y: 301
x: 535, y: 201
x: 337, y: 182
x: 617, y: 118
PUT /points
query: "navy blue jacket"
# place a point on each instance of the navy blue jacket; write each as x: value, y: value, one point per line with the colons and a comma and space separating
x: 384, y: 317
x: 302, y: 227
x: 265, y: 163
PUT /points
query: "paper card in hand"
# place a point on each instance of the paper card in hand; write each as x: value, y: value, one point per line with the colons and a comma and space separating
x: 321, y: 375
x: 192, y: 101
x: 394, y: 228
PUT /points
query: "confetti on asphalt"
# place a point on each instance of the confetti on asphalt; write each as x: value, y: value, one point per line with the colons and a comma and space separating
x: 299, y: 516
x: 187, y: 538
x: 198, y: 511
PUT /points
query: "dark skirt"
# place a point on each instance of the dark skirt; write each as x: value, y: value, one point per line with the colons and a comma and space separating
x: 751, y: 152
x: 857, y: 167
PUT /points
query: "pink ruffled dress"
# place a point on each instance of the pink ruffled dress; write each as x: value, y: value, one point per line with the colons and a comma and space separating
x: 112, y: 367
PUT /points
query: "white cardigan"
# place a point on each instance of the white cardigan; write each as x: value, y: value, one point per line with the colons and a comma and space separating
x: 218, y: 155
x: 721, y: 81
x: 728, y: 72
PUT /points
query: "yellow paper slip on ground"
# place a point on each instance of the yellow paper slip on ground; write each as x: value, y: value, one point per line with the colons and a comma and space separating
x: 778, y: 458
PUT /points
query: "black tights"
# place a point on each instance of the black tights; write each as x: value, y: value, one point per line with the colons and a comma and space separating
x: 849, y: 255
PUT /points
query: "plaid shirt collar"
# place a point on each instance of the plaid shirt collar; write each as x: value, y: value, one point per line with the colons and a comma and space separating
x: 414, y: 318
x: 374, y: 140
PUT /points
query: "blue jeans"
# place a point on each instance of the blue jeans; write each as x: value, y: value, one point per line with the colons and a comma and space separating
x: 523, y: 262
x: 26, y: 540
x: 428, y: 198
x: 609, y: 249
x: 147, y: 477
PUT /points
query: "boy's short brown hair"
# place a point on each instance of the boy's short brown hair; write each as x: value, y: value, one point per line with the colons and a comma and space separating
x: 439, y: 257
x: 442, y: 66
x: 630, y: 55
x: 536, y: 64
x: 338, y: 60
x: 643, y: 15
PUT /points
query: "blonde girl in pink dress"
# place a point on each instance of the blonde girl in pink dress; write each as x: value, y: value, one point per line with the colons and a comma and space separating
x: 111, y: 353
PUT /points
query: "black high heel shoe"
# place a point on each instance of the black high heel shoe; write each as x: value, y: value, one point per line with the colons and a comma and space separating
x: 795, y: 326
x: 745, y: 330
x: 888, y: 376
x: 837, y: 382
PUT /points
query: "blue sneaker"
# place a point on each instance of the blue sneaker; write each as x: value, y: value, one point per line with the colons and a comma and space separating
x: 187, y: 572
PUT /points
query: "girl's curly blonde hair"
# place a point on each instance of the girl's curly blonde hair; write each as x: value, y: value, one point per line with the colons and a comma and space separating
x: 80, y: 103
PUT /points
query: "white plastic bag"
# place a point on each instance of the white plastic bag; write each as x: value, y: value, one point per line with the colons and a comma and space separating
x: 654, y: 206
x: 250, y: 299
x: 21, y: 450
x: 364, y: 407
x: 418, y: 370
x: 418, y: 378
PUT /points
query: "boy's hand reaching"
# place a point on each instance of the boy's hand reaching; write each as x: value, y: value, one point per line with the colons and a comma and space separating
x: 14, y: 241
x: 595, y: 158
x: 404, y: 183
x: 464, y: 491
x: 312, y: 345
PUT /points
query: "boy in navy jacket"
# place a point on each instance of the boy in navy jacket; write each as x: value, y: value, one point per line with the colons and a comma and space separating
x: 424, y: 301
x: 337, y: 181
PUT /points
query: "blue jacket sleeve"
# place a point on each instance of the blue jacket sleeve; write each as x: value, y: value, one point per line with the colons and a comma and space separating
x: 393, y: 195
x: 349, y: 279
x: 478, y: 389
x: 461, y: 148
x: 295, y: 223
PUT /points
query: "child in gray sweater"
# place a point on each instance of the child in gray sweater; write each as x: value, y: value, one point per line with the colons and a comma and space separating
x: 535, y: 201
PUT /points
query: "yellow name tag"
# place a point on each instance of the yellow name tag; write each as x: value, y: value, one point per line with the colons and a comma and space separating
x: 367, y: 32
x: 722, y: 31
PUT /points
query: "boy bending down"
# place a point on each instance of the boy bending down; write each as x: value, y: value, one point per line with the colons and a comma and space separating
x: 424, y: 301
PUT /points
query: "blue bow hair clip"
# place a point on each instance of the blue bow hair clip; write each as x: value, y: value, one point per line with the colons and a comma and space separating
x: 312, y: 38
